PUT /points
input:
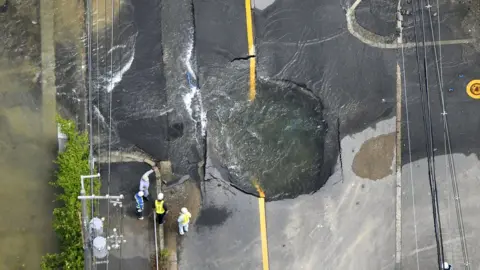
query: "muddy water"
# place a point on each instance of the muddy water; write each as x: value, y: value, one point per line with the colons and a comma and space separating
x: 25, y: 153
x: 25, y: 197
x: 27, y: 148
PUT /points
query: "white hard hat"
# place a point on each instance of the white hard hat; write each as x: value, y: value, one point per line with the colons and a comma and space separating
x: 445, y: 265
x: 160, y: 196
x: 184, y: 210
x: 140, y: 193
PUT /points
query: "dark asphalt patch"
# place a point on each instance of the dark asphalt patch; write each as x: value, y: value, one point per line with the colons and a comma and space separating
x: 458, y: 104
x: 235, y: 242
x: 281, y: 139
x: 175, y: 131
x: 212, y: 216
x: 220, y: 31
x: 378, y: 16
x: 354, y: 82
x: 139, y: 117
x: 124, y: 179
x: 454, y: 21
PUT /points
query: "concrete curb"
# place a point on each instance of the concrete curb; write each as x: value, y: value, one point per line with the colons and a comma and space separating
x: 49, y: 90
x: 119, y: 156
x: 166, y: 172
x: 158, y: 177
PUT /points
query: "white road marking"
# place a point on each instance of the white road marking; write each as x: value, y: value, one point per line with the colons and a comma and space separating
x: 398, y: 189
x: 352, y: 24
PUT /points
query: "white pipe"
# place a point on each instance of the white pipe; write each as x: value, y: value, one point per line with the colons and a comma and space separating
x: 156, y: 241
x: 90, y: 176
x: 83, y: 177
x: 107, y: 197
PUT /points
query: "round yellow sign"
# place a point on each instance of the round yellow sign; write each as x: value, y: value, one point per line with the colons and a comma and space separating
x: 473, y: 89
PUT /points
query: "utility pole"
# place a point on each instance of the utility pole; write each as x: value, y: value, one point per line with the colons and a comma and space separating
x: 86, y: 233
x: 95, y: 245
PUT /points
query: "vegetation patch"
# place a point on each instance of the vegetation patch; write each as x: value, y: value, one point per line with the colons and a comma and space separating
x: 72, y: 163
x: 163, y: 257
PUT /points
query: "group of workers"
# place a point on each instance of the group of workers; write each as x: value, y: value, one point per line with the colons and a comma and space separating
x: 159, y: 205
x: 161, y: 208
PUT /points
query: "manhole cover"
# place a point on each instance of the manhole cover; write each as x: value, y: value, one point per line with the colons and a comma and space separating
x: 473, y: 89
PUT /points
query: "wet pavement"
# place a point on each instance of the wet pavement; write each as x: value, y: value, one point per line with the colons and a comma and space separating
x: 350, y: 221
x: 459, y: 65
x: 323, y: 119
x: 27, y: 147
x: 319, y: 65
x: 127, y: 64
x: 310, y: 231
x: 225, y: 233
x: 347, y: 224
x: 323, y: 114
x: 139, y: 235
x: 419, y: 247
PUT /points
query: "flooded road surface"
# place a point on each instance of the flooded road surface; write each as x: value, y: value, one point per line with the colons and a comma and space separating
x: 26, y: 166
x: 26, y: 154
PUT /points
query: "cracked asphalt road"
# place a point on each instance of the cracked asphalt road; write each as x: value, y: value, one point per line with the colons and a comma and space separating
x: 321, y: 94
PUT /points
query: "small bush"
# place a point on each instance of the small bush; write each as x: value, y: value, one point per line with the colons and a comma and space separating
x: 72, y: 163
x: 163, y: 257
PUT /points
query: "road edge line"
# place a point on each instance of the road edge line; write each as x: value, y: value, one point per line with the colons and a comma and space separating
x: 398, y: 170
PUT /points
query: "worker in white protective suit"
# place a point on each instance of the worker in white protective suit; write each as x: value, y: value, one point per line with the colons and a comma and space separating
x: 447, y: 266
x: 145, y: 183
x: 183, y: 221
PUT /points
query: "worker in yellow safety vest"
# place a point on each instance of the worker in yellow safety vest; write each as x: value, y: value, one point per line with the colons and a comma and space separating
x: 183, y: 221
x: 160, y: 208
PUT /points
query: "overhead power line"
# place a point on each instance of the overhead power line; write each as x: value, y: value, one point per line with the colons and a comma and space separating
x: 428, y: 131
x: 446, y: 129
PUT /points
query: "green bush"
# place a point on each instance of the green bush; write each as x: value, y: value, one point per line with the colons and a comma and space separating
x: 72, y: 163
x: 163, y: 258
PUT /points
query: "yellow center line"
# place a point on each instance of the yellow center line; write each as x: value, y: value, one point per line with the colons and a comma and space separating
x: 251, y: 49
x: 263, y: 227
x: 253, y: 90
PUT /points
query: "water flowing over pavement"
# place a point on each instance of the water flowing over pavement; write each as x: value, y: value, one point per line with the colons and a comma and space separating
x: 325, y: 105
x: 308, y: 46
x: 139, y: 246
x: 26, y: 151
x: 318, y: 66
x: 323, y: 120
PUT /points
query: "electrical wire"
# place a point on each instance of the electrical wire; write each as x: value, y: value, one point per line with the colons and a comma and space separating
x: 97, y: 88
x: 110, y: 101
x: 121, y: 205
x: 429, y: 145
x: 410, y: 156
x: 110, y: 120
x: 121, y: 232
x: 90, y: 105
x: 156, y: 241
x: 90, y: 115
x: 450, y: 161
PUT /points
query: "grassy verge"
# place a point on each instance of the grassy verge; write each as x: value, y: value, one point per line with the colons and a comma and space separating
x: 72, y: 163
x: 163, y: 256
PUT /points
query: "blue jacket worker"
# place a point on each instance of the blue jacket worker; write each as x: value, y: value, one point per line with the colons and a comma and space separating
x: 139, y: 204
